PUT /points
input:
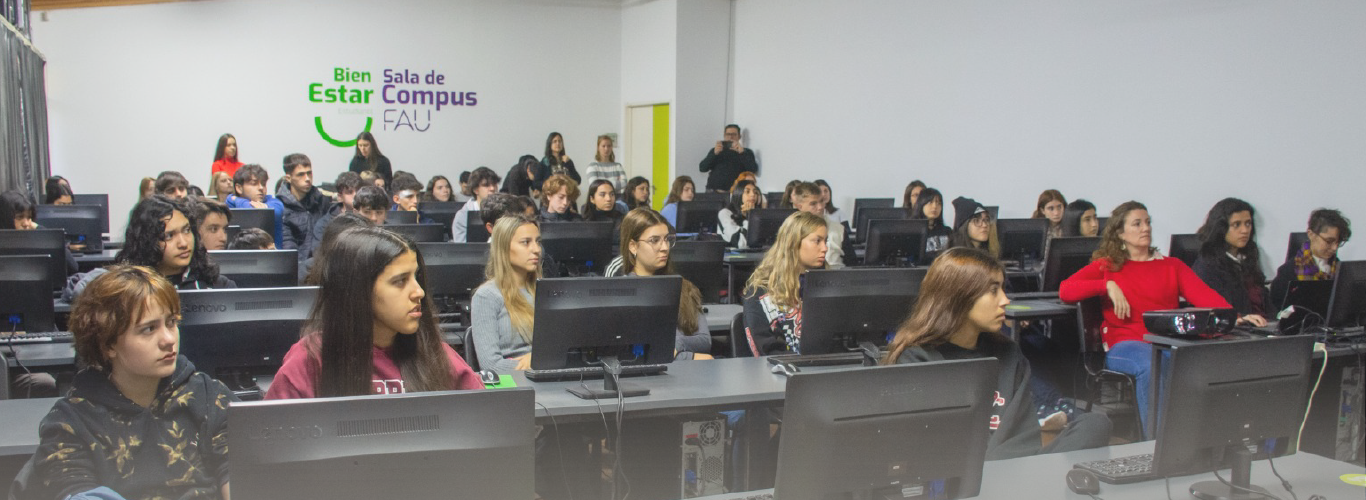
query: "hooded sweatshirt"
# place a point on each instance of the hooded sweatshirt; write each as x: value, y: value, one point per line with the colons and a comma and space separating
x: 299, y: 218
x: 177, y: 448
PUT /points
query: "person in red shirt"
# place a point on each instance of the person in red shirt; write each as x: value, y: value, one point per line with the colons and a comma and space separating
x: 376, y: 329
x: 1132, y: 278
x: 225, y: 157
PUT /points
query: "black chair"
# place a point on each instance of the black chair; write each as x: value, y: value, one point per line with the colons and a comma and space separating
x: 739, y: 343
x: 1296, y: 243
x: 1185, y: 247
x: 1107, y: 391
x: 471, y: 358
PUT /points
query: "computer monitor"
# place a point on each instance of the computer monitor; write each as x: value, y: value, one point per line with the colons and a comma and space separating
x: 862, y: 203
x: 774, y: 199
x: 919, y: 427
x: 1347, y: 307
x: 697, y: 217
x: 1230, y: 402
x: 764, y: 224
x: 95, y: 199
x: 475, y: 231
x: 582, y: 322
x: 464, y: 444
x: 701, y: 262
x: 856, y: 309
x: 400, y: 217
x: 895, y: 242
x: 49, y: 242
x: 1185, y: 247
x: 242, y: 330
x: 440, y: 212
x: 1022, y: 240
x: 1064, y: 257
x: 258, y: 268
x: 454, y: 269
x: 259, y: 218
x: 1295, y: 244
x: 586, y: 245
x: 1311, y: 295
x: 22, y: 310
x: 718, y: 199
x: 81, y: 222
x: 868, y: 214
x: 420, y: 233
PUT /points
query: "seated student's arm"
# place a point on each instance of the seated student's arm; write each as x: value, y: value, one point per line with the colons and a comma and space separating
x: 297, y: 377
x: 458, y: 225
x: 1280, y: 285
x: 218, y: 396
x: 763, y: 341
x: 729, y: 229
x: 1087, y: 282
x: 491, y: 338
x: 1211, y: 276
x: 461, y: 373
x: 1017, y: 433
x: 64, y: 464
x: 1196, y: 291
x: 293, y: 237
x: 699, y: 341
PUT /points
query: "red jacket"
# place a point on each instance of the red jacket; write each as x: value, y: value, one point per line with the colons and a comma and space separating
x: 298, y: 376
x: 228, y: 165
x: 1148, y: 286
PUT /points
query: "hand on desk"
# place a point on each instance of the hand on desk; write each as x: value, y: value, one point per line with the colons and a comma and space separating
x: 523, y: 362
x: 1252, y: 319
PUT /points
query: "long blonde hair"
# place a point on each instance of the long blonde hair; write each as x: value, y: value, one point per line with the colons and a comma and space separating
x: 781, y: 270
x: 633, y: 226
x: 213, y: 186
x: 510, y: 280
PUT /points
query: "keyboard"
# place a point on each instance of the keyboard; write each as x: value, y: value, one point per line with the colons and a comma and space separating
x: 591, y: 372
x: 832, y: 359
x: 1122, y: 470
x: 34, y: 338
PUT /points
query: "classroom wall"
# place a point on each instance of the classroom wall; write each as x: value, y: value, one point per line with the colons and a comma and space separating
x: 1177, y: 104
x: 137, y: 90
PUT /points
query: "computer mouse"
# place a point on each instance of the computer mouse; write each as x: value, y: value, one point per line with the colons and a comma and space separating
x: 489, y: 377
x: 1083, y: 482
x: 786, y: 369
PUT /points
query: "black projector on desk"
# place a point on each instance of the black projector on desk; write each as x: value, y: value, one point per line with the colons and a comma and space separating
x: 1190, y: 321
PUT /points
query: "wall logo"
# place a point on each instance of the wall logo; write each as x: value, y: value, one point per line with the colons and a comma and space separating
x: 408, y: 100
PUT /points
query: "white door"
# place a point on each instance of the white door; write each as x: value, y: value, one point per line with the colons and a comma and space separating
x: 640, y: 151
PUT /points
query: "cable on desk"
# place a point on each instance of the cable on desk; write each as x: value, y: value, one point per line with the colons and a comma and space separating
x: 559, y: 449
x: 1240, y: 488
x: 1284, y: 483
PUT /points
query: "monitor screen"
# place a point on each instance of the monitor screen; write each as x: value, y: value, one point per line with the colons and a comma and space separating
x: 419, y: 233
x: 895, y: 242
x: 400, y: 217
x: 454, y: 269
x: 475, y: 231
x: 579, y: 321
x: 697, y: 217
x: 764, y: 224
x: 441, y: 213
x: 258, y: 268
x: 718, y: 200
x: 81, y: 223
x: 1065, y: 256
x: 583, y: 244
x: 1022, y: 240
x: 242, y: 328
x: 920, y: 427
x: 49, y: 242
x: 843, y: 307
x: 860, y: 204
x: 95, y: 199
x: 461, y: 444
x: 22, y: 310
x: 260, y: 218
x: 1348, y: 304
x: 869, y: 214
x: 701, y: 263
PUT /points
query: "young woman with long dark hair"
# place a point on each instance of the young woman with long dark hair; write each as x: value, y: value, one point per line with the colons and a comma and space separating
x: 637, y: 193
x: 373, y: 328
x: 503, y: 309
x: 683, y: 189
x: 912, y: 194
x: 734, y: 219
x: 973, y: 227
x: 929, y: 205
x: 555, y: 162
x: 602, y: 205
x: 827, y: 196
x: 1051, y: 206
x: 1079, y: 219
x: 225, y: 156
x: 646, y: 243
x: 367, y: 158
x: 439, y: 190
x: 772, y: 296
x: 1230, y: 261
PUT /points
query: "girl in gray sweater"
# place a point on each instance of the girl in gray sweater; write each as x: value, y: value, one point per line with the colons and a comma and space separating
x: 503, y: 308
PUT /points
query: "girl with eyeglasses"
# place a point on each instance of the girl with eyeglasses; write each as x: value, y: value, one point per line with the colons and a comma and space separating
x: 646, y: 243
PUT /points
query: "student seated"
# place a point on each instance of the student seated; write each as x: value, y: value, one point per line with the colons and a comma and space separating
x: 772, y: 297
x: 213, y: 218
x: 959, y: 315
x: 1131, y: 278
x: 373, y: 329
x: 220, y: 186
x: 973, y: 227
x: 252, y: 238
x: 139, y: 421
x: 173, y: 185
x: 637, y: 193
x: 912, y: 194
x: 17, y: 212
x: 929, y: 205
x: 646, y: 241
x: 249, y: 185
x: 483, y: 182
x: 347, y: 184
x: 1079, y: 219
x: 1230, y: 261
x: 1317, y: 259
x: 557, y: 199
x: 334, y: 230
x: 602, y: 205
x: 58, y: 194
x: 1051, y: 206
x: 146, y: 187
x: 503, y: 308
x: 372, y: 202
x: 827, y: 199
x: 734, y: 219
x: 521, y: 179
x: 683, y: 189
x: 406, y: 192
x: 806, y: 197
x: 303, y: 203
x: 439, y: 190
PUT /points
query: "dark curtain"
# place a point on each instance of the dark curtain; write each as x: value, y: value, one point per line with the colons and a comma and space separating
x: 23, y: 115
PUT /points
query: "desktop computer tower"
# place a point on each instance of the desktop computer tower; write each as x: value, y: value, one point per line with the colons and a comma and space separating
x: 696, y: 469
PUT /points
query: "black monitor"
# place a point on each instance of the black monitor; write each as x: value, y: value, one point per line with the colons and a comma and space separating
x: 1312, y: 295
x: 1022, y: 240
x: 95, y: 199
x: 81, y: 222
x: 400, y: 217
x: 717, y: 199
x: 876, y: 213
x: 1185, y: 247
x: 475, y: 231
x: 260, y: 218
x: 448, y: 444
x: 701, y: 262
x: 1230, y: 402
x: 773, y: 199
x: 764, y: 224
x: 454, y: 269
x: 895, y: 242
x: 862, y: 203
x: 587, y: 245
x: 440, y: 212
x: 49, y: 242
x: 242, y: 330
x: 920, y: 427
x: 856, y: 309
x: 1347, y: 308
x: 231, y: 232
x: 258, y: 268
x: 582, y: 322
x: 420, y: 233
x: 1295, y: 244
x: 1101, y: 222
x: 1064, y: 257
x: 697, y: 217
x: 22, y: 310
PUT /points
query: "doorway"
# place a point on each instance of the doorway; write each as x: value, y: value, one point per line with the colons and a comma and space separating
x: 647, y: 148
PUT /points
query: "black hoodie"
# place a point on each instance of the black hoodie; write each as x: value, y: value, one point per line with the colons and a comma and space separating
x: 300, y: 217
x: 177, y: 448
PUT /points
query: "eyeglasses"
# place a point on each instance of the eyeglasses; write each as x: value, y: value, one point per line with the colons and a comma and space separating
x: 981, y: 220
x: 1328, y: 241
x: 655, y: 241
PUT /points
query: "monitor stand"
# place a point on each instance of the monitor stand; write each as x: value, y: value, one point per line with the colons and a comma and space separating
x: 611, y: 368
x: 1241, y: 481
x: 871, y: 354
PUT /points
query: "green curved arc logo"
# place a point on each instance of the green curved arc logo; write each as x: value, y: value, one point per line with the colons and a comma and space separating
x: 318, y: 122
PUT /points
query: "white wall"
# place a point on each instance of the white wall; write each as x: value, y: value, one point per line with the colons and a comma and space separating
x: 649, y: 63
x: 1176, y: 104
x: 703, y: 70
x: 136, y: 90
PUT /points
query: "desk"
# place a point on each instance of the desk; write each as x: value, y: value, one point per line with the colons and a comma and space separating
x: 42, y: 355
x: 719, y: 317
x: 1043, y: 477
x: 1037, y: 309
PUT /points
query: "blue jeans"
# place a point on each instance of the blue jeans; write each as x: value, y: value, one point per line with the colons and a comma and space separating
x: 1134, y: 358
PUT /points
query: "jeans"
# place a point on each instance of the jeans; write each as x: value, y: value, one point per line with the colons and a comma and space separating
x: 1134, y: 358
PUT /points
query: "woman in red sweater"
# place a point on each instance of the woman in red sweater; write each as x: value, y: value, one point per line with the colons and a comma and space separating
x: 1132, y: 278
x: 225, y: 156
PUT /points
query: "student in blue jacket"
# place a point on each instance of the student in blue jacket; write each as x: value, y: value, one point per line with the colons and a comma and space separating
x: 249, y: 191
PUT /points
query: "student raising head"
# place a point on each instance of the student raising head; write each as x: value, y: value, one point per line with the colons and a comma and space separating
x: 1051, y: 206
x: 959, y: 315
x: 1317, y: 258
x: 682, y: 189
x: 221, y: 186
x: 502, y: 309
x: 647, y: 242
x: 1230, y: 261
x: 557, y: 199
x: 139, y: 421
x: 1079, y: 219
x: 974, y: 227
x: 734, y: 219
x: 806, y: 197
x: 929, y: 205
x: 826, y: 199
x: 772, y: 297
x: 374, y: 329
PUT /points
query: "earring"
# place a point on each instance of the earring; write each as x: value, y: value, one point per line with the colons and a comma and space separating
x: 1123, y: 246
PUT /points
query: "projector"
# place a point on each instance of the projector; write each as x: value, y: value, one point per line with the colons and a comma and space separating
x: 1190, y: 321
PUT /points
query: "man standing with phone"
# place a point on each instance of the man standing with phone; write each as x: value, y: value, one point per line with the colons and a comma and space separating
x: 727, y: 160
